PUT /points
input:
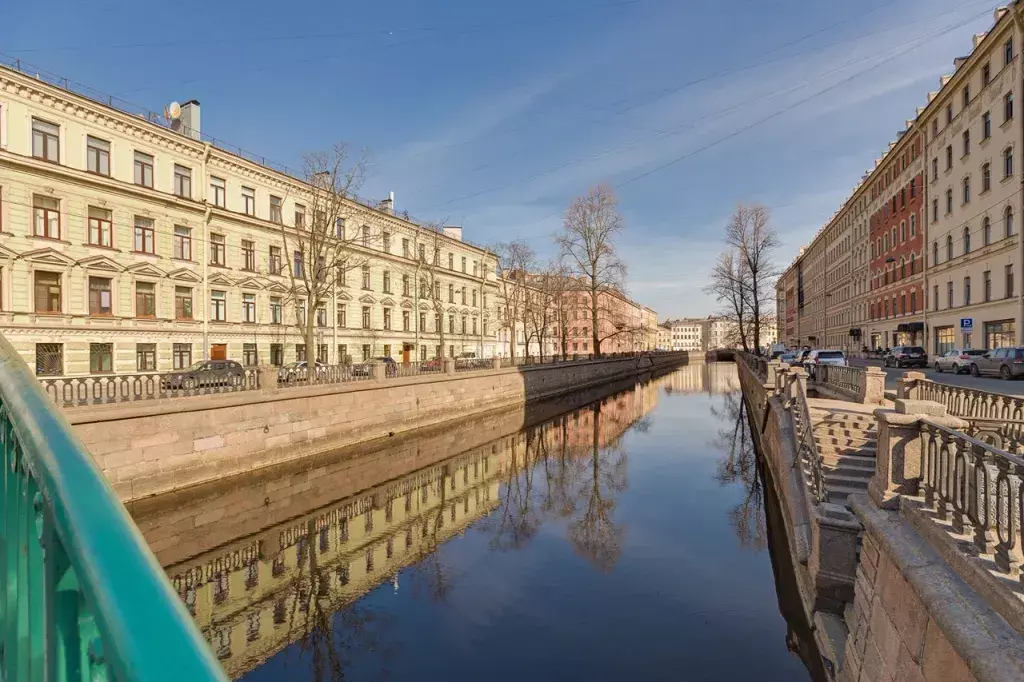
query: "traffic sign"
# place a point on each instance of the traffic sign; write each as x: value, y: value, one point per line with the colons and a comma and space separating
x: 966, y: 324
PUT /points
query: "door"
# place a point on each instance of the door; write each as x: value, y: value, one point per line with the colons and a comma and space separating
x: 219, y: 351
x: 989, y: 362
x: 406, y: 353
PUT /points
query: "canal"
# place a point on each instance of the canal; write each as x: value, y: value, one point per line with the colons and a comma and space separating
x: 615, y: 534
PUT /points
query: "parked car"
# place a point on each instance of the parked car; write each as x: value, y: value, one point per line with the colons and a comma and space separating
x: 788, y: 358
x: 906, y: 356
x: 363, y: 369
x: 801, y: 356
x: 433, y: 365
x: 1007, y: 363
x: 205, y: 373
x: 823, y: 357
x: 298, y: 371
x: 957, y: 360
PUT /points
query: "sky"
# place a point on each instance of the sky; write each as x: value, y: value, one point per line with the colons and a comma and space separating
x: 494, y: 115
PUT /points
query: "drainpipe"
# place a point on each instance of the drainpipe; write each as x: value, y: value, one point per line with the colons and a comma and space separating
x: 207, y: 216
x: 1018, y: 23
x: 924, y: 241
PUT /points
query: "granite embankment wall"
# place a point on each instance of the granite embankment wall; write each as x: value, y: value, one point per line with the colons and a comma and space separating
x: 150, y: 448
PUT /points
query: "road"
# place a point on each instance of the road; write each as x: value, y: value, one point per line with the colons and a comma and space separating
x: 892, y: 374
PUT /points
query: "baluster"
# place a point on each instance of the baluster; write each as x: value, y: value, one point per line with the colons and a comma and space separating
x: 961, y: 487
x: 985, y: 473
x: 1007, y: 553
x: 943, y: 506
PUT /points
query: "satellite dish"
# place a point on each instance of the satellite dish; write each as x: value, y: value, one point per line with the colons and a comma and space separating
x: 173, y: 110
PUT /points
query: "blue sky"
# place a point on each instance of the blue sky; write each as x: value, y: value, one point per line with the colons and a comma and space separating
x: 494, y: 115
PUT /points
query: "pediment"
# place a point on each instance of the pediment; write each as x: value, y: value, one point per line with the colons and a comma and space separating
x: 104, y: 263
x: 48, y: 256
x: 146, y: 270
x: 407, y: 304
x: 452, y: 310
x: 424, y: 306
x: 344, y: 296
x: 6, y: 253
x: 366, y: 298
x: 250, y: 283
x: 464, y: 311
x: 221, y: 279
x: 277, y: 288
x: 185, y: 275
x: 388, y: 301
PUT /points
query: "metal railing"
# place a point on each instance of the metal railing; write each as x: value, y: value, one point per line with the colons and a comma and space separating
x: 807, y: 447
x: 976, y: 488
x: 122, y: 388
x: 845, y: 379
x: 473, y: 364
x: 321, y: 375
x: 757, y: 364
x: 85, y: 597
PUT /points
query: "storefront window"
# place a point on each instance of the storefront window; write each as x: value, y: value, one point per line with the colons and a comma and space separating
x: 999, y: 334
x: 944, y: 340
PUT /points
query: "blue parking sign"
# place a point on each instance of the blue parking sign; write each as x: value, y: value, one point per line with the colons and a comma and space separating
x: 966, y: 324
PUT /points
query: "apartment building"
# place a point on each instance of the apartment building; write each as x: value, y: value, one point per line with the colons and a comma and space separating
x: 786, y: 306
x: 687, y: 334
x: 974, y: 126
x: 129, y: 246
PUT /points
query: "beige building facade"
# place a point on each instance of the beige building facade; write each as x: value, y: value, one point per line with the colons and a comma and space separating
x: 126, y: 246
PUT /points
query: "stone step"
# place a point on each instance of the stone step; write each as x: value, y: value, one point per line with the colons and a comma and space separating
x: 834, y: 416
x: 844, y: 441
x: 852, y: 461
x: 840, y: 495
x: 827, y: 430
x: 859, y: 483
x: 847, y: 473
x: 842, y: 423
x: 865, y: 450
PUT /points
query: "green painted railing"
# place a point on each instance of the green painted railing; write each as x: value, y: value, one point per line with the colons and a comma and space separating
x: 82, y: 597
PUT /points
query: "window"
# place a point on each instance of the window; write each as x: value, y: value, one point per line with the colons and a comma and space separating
x: 405, y: 248
x: 451, y: 293
x: 967, y: 239
x: 949, y: 294
x: 182, y: 303
x: 218, y: 305
x: 986, y: 74
x: 101, y: 358
x: 474, y: 325
x: 181, y: 355
x: 406, y: 286
x: 366, y: 236
x: 913, y: 187
x: 463, y: 296
x: 298, y: 264
x: 1008, y: 162
x: 366, y: 352
x: 463, y: 264
x: 145, y: 357
x: 385, y: 241
x: 935, y: 210
x: 321, y: 316
x: 935, y: 297
x: 437, y: 323
x: 300, y: 352
x: 145, y: 240
x: 451, y: 326
x: 935, y: 169
x: 913, y: 301
x: 249, y: 308
x: 182, y: 242
x: 341, y: 316
x: 1008, y: 106
x: 423, y: 253
x: 275, y: 211
x: 949, y: 201
x: 339, y: 224
x: 913, y: 264
x: 300, y: 312
x: 1008, y: 220
x: 46, y: 212
x: 99, y: 296
x: 986, y: 177
x: 217, y: 191
x: 276, y: 314
x: 987, y: 285
x: 1008, y: 291
x: 250, y: 357
x: 949, y: 247
x: 366, y: 317
x: 405, y: 320
x: 986, y: 231
x: 45, y: 140
x: 967, y: 141
x: 967, y: 95
x: 97, y: 154
x: 474, y: 298
x: 49, y: 359
x: 387, y: 281
x: 300, y: 213
x: 143, y: 169
x: 967, y: 290
x: 944, y: 340
x: 100, y: 227
x: 249, y: 201
x: 218, y: 249
x: 145, y: 299
x: 423, y: 322
x: 366, y: 277
x: 387, y: 318
x: 986, y: 125
x: 463, y: 324
x: 935, y: 127
x: 949, y: 113
x: 248, y: 255
x: 274, y: 257
x: 1007, y: 58
x: 183, y: 181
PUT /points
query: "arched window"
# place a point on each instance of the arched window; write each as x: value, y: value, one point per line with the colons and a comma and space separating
x: 903, y: 268
x: 912, y: 264
x: 935, y: 253
x: 913, y: 225
x: 903, y: 232
x: 949, y: 247
x: 967, y: 190
x: 967, y: 239
x: 986, y: 231
x: 1008, y: 162
x: 1008, y: 219
x: 885, y: 241
x: 894, y: 235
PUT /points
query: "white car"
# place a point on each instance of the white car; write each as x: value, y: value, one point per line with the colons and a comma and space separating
x: 957, y: 360
x: 824, y: 357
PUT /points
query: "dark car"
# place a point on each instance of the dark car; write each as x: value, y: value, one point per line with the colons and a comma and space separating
x: 363, y: 369
x: 203, y: 374
x: 1007, y: 363
x: 906, y: 356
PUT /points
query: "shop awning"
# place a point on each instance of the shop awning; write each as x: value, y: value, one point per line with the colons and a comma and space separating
x: 910, y: 327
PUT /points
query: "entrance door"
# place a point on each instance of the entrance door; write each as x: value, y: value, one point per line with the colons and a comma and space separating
x: 406, y: 353
x: 219, y: 351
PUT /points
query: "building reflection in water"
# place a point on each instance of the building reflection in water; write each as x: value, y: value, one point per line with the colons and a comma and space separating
x: 300, y: 580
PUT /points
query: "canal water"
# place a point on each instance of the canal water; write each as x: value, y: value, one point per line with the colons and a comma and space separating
x: 619, y: 534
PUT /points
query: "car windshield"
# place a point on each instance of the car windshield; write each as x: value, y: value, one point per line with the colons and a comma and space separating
x: 194, y: 366
x: 831, y: 354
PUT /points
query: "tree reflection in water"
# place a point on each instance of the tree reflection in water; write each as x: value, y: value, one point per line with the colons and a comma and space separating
x: 738, y: 464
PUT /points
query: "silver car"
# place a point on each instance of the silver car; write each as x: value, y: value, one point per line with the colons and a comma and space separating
x: 957, y: 360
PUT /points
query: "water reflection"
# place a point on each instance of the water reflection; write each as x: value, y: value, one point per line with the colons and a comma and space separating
x: 283, y: 578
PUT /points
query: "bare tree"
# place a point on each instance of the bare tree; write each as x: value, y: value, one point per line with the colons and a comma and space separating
x: 515, y: 259
x: 587, y: 242
x: 428, y: 269
x: 754, y: 241
x: 319, y: 248
x: 546, y: 306
x: 727, y: 286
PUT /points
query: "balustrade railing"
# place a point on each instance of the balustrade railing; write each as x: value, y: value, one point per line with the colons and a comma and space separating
x: 84, y: 598
x: 290, y: 377
x: 845, y: 379
x: 473, y: 364
x: 122, y: 388
x: 976, y: 488
x: 807, y: 447
x: 757, y: 364
x: 971, y: 403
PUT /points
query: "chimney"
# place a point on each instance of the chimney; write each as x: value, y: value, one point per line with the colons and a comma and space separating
x: 190, y: 118
x: 453, y: 232
x: 388, y: 205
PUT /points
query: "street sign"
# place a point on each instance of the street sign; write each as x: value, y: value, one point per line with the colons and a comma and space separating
x: 966, y: 324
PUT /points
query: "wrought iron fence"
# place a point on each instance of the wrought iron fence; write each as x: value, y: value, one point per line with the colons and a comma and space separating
x: 976, y: 488
x: 414, y: 369
x: 86, y: 597
x: 121, y: 388
x: 291, y: 377
x: 845, y: 379
x: 473, y: 364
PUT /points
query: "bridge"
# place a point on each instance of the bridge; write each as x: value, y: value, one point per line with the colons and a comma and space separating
x: 904, y: 517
